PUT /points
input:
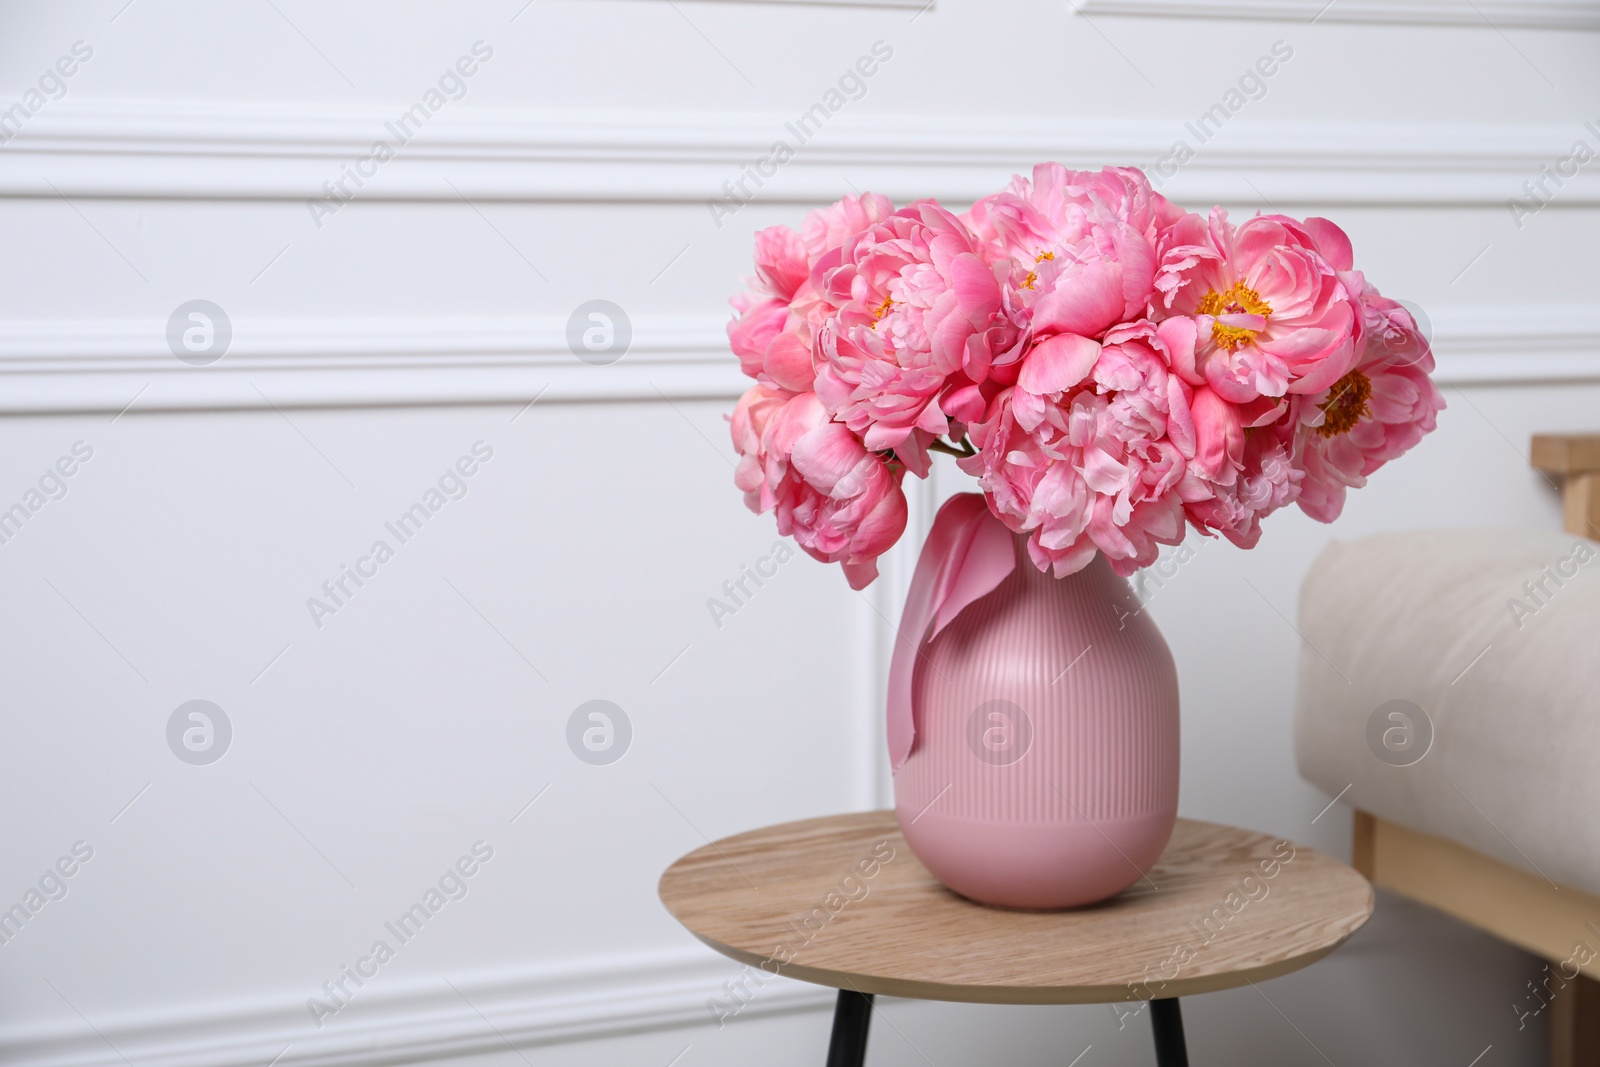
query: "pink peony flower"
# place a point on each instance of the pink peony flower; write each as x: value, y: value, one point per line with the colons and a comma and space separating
x: 840, y: 502
x: 775, y: 329
x: 1373, y: 414
x: 1090, y: 451
x: 762, y: 335
x: 1220, y: 429
x: 759, y: 321
x: 1032, y: 485
x: 829, y: 227
x: 1082, y: 244
x: 914, y: 303
x: 760, y: 469
x: 1264, y: 480
x: 1059, y: 210
x: 1267, y: 304
x: 782, y: 263
x: 1123, y: 369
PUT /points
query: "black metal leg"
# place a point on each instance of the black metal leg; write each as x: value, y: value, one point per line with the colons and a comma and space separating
x: 852, y: 1014
x: 1166, y: 1022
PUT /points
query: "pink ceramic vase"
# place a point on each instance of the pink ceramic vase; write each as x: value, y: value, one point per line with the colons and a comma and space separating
x: 1044, y: 771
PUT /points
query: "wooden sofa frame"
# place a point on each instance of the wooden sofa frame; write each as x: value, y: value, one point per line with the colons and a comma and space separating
x: 1520, y: 908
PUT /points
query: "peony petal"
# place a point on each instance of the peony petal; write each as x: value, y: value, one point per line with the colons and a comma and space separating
x: 1332, y: 242
x: 1219, y: 436
x: 1178, y: 336
x: 882, y: 526
x: 1263, y: 411
x: 1180, y: 421
x: 882, y: 436
x: 913, y: 453
x: 1240, y: 384
x: 788, y: 363
x: 964, y: 403
x: 1243, y: 321
x: 1085, y: 301
x: 976, y: 291
x: 827, y: 455
x: 1103, y: 473
x: 1061, y: 563
x: 860, y: 574
x: 1057, y: 363
x: 781, y: 261
x: 798, y: 417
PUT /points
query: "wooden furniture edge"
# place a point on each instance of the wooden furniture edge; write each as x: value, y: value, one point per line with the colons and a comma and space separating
x: 1361, y: 843
x: 1575, y: 459
x: 1557, y: 923
x: 1515, y: 906
x: 1026, y: 995
x: 675, y: 888
x: 1566, y: 453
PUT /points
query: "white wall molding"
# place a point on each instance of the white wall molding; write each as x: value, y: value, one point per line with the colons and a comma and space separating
x: 61, y: 366
x: 1484, y: 14
x: 49, y: 366
x: 421, y: 1021
x: 1502, y: 345
x: 238, y: 151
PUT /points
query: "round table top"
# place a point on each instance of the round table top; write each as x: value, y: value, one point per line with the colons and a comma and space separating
x: 842, y: 902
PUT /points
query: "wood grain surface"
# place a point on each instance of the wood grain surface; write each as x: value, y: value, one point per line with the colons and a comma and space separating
x: 1566, y: 453
x: 1576, y: 458
x: 842, y: 902
x: 1517, y: 906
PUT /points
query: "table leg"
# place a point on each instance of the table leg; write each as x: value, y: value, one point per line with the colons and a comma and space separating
x: 1166, y: 1022
x: 852, y: 1014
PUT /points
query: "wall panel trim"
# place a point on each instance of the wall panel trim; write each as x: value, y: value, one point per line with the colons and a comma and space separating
x: 1483, y: 14
x: 64, y: 366
x: 49, y: 366
x: 423, y: 1021
x: 143, y: 149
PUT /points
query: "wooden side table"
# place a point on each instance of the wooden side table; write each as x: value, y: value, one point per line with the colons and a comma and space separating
x: 842, y: 902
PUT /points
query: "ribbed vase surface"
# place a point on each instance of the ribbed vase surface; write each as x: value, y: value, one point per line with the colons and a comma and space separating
x: 1045, y: 769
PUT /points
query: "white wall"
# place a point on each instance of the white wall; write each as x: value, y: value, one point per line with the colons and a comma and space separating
x: 372, y: 351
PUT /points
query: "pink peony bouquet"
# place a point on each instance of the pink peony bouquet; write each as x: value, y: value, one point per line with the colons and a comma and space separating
x: 1112, y: 369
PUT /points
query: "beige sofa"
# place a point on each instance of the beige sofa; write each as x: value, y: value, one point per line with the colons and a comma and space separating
x: 1450, y: 692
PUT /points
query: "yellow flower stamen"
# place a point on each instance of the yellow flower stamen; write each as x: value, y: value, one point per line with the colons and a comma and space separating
x: 1239, y: 300
x: 1346, y: 404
